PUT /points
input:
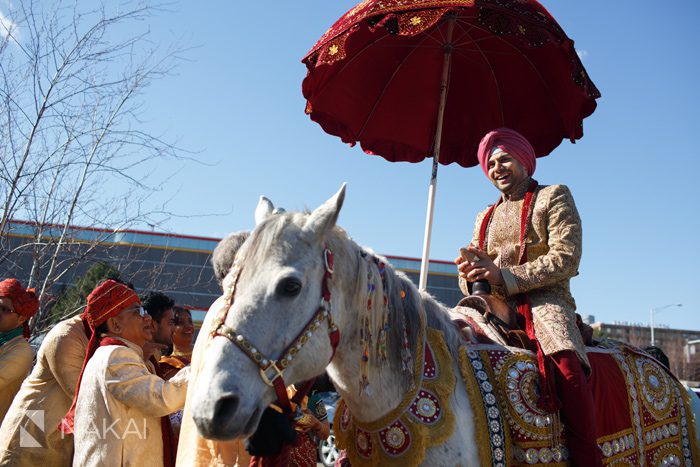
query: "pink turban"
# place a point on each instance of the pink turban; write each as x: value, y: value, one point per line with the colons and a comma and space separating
x: 509, y: 141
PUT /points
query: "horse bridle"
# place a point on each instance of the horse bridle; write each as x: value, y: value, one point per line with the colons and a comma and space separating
x: 271, y: 371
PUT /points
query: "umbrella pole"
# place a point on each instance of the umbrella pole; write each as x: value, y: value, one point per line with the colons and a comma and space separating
x: 432, y: 189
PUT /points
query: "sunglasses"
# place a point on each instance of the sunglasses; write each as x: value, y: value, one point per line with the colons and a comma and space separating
x: 141, y: 312
x: 4, y: 310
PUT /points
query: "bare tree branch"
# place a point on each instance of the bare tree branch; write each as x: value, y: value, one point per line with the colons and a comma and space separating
x: 71, y: 83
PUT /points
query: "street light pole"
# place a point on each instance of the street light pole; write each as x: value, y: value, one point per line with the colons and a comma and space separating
x: 651, y: 317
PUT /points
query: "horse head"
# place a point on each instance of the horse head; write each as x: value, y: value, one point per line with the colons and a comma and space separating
x: 271, y: 323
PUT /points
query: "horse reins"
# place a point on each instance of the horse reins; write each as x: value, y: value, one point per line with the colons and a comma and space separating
x: 271, y: 371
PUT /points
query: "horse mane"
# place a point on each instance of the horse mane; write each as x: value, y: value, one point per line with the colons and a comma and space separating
x: 405, y: 304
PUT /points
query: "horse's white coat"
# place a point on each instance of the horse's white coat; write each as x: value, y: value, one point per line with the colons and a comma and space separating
x: 230, y: 395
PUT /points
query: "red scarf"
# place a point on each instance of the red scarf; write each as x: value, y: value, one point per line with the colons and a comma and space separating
x: 166, y: 428
x: 548, y: 399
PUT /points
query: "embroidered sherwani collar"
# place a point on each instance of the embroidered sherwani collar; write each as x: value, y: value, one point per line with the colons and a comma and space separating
x: 518, y: 191
x: 131, y: 345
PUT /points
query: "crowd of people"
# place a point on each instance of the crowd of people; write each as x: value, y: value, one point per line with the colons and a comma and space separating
x: 97, y: 394
x: 108, y: 386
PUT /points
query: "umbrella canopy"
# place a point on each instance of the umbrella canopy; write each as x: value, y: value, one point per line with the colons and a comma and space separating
x: 411, y: 79
x: 375, y: 77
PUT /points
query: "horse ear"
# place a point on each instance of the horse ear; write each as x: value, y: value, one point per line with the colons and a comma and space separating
x: 264, y: 210
x: 325, y: 216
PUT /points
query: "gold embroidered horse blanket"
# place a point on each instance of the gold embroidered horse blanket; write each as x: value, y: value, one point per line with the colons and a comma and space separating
x: 643, y: 414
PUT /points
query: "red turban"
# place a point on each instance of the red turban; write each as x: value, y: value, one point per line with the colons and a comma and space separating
x: 107, y: 300
x: 509, y: 141
x: 24, y: 301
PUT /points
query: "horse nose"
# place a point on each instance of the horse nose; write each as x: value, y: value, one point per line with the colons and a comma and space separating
x: 213, y: 421
x: 225, y: 408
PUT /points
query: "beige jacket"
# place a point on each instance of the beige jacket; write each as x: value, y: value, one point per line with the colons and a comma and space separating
x: 49, y: 388
x: 554, y: 241
x: 193, y: 450
x: 117, y: 416
x: 15, y: 362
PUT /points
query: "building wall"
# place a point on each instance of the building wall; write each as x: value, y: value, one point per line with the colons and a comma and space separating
x: 177, y: 265
x: 684, y: 362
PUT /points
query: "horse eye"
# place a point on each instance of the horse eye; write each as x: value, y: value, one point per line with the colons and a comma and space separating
x: 289, y: 287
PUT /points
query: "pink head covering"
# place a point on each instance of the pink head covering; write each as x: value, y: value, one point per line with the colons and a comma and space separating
x: 509, y: 141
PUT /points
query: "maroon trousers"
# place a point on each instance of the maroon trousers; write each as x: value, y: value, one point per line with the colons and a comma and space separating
x: 577, y: 411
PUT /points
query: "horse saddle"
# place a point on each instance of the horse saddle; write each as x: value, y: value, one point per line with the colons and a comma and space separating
x: 505, y: 320
x: 501, y: 318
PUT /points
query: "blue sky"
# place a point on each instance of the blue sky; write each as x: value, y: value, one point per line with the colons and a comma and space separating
x: 237, y: 99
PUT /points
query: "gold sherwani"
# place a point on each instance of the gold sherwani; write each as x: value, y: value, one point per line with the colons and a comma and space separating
x: 15, y: 362
x: 117, y: 415
x: 192, y: 449
x: 554, y: 240
x: 50, y: 387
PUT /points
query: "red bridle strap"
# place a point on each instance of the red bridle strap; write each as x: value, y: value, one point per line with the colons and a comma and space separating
x: 271, y: 371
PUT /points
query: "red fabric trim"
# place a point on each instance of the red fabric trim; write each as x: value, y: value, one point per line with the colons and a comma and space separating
x: 485, y: 225
x: 282, y: 398
x: 578, y: 409
x: 67, y: 424
x: 166, y: 427
x: 335, y: 340
x: 105, y: 341
x: 281, y: 459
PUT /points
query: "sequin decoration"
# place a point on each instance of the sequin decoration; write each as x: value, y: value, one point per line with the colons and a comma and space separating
x: 633, y: 401
x: 506, y: 416
x: 658, y: 416
x: 396, y: 439
x: 333, y: 52
x: 518, y: 380
x: 415, y: 22
x: 363, y: 443
x: 656, y: 388
x: 345, y: 418
x: 426, y: 407
x: 429, y: 366
x: 493, y: 438
x: 619, y: 445
x: 520, y: 20
x: 421, y: 420
x: 372, y: 9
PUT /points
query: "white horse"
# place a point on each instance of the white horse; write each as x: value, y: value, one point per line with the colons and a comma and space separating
x: 397, y: 364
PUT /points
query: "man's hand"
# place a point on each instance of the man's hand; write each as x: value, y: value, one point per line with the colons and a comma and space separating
x: 480, y: 267
x: 151, y: 348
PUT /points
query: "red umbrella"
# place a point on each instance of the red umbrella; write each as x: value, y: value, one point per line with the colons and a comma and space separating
x: 411, y: 79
